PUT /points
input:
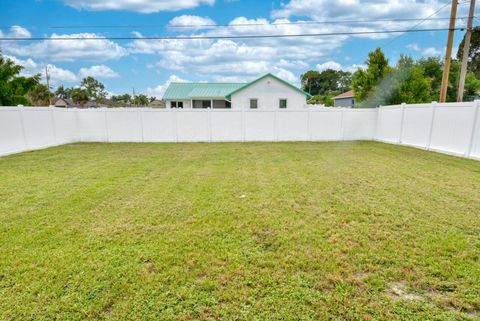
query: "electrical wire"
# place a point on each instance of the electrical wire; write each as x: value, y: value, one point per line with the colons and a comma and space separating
x: 227, y: 37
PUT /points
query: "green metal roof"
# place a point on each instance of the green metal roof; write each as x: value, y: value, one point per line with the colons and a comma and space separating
x: 229, y: 96
x: 189, y: 90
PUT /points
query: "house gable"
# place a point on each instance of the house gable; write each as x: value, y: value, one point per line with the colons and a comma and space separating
x: 229, y: 96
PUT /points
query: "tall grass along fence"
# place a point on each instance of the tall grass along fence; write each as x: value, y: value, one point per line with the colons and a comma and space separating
x: 450, y: 128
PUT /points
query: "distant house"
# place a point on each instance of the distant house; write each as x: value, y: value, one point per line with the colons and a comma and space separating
x: 347, y: 99
x: 157, y: 104
x: 69, y: 103
x: 266, y: 92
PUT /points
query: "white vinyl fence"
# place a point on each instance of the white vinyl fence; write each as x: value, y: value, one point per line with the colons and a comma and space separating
x: 450, y: 128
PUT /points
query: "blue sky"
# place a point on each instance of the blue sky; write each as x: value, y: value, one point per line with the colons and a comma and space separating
x: 150, y: 65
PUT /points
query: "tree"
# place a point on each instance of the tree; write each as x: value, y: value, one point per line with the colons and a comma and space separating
x: 80, y: 96
x: 432, y: 70
x: 410, y: 84
x: 327, y: 100
x: 63, y: 92
x: 327, y: 82
x: 95, y: 89
x: 141, y: 100
x: 365, y: 82
x: 474, y: 52
x: 311, y: 82
x: 40, y: 95
x: 13, y: 88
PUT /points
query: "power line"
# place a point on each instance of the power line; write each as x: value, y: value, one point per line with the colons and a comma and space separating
x: 422, y: 21
x: 311, y: 22
x: 351, y: 33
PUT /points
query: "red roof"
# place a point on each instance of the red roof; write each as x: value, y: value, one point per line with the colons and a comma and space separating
x: 348, y: 94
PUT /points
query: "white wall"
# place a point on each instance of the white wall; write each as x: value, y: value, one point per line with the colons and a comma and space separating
x: 268, y: 91
x: 452, y: 128
x: 23, y: 129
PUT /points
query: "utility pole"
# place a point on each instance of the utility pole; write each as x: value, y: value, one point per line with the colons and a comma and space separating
x: 47, y: 76
x: 133, y: 97
x: 466, y: 50
x: 448, y: 53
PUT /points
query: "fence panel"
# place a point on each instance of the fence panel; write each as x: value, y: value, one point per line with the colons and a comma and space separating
x: 226, y: 125
x: 123, y: 125
x: 416, y: 125
x: 91, y: 125
x: 259, y: 125
x: 326, y: 124
x: 389, y: 124
x: 451, y: 131
x: 39, y: 127
x: 359, y: 124
x: 193, y: 126
x: 12, y: 139
x: 65, y: 125
x: 158, y: 125
x: 475, y: 141
x: 292, y: 125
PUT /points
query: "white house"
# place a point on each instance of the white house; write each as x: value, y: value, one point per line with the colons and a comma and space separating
x: 266, y: 92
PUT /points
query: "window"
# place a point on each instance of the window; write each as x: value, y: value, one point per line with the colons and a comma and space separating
x: 176, y: 104
x: 283, y: 103
x: 253, y: 103
x: 205, y: 103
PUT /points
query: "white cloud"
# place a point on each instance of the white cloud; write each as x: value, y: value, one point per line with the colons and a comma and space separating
x: 160, y: 89
x: 58, y: 75
x: 348, y: 10
x: 143, y: 6
x: 100, y: 71
x: 329, y: 65
x: 336, y: 66
x: 19, y: 32
x: 242, y: 59
x: 97, y: 49
x: 413, y: 47
x: 430, y: 51
x: 31, y: 68
x: 188, y: 21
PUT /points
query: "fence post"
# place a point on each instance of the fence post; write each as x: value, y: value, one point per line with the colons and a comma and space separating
x: 140, y: 125
x: 76, y: 134
x: 377, y: 122
x: 476, y: 107
x: 242, y: 123
x: 209, y: 124
x: 106, y: 124
x: 24, y: 131
x: 342, y: 131
x: 400, y: 137
x: 54, y: 130
x: 175, y: 122
x: 275, y: 125
x: 309, y: 132
x: 432, y: 122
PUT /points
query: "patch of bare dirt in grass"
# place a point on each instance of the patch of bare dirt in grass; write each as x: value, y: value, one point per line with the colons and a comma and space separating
x: 399, y: 291
x: 148, y: 268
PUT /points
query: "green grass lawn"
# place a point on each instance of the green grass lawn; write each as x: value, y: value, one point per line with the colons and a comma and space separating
x: 252, y: 231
